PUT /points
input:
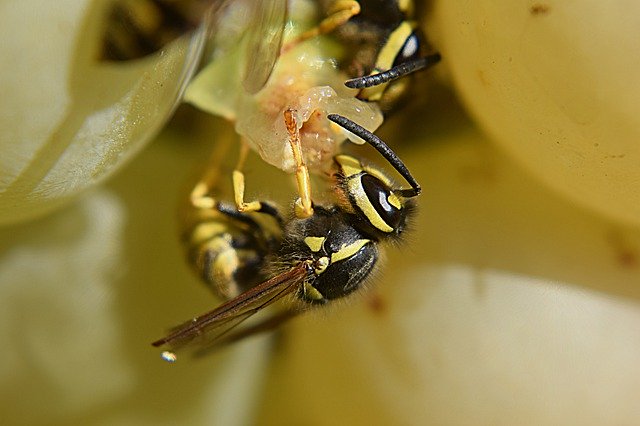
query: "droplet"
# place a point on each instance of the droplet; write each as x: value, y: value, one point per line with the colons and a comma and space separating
x: 169, y: 356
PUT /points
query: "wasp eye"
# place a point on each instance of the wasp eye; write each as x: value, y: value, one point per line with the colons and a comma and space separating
x: 383, y: 200
x: 410, y: 49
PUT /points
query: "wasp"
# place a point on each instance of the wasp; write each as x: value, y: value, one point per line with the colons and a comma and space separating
x: 258, y: 257
x: 385, y: 42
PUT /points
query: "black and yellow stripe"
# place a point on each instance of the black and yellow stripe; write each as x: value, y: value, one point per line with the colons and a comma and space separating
x: 387, y: 57
x: 318, y: 258
x: 387, y: 44
x: 354, y: 172
x: 228, y: 248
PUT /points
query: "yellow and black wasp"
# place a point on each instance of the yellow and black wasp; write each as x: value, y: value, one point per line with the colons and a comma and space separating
x: 385, y: 43
x: 258, y: 257
x: 384, y: 40
x: 248, y: 252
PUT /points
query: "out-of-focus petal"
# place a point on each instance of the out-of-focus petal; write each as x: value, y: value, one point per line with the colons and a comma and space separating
x: 557, y: 84
x: 67, y: 119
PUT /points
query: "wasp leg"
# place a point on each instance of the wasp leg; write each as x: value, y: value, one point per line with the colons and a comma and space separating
x: 238, y: 191
x: 303, y: 205
x: 238, y: 184
x: 339, y: 14
x: 200, y: 197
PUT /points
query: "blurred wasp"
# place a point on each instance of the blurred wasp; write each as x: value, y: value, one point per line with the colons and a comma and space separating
x: 257, y: 257
x: 385, y: 44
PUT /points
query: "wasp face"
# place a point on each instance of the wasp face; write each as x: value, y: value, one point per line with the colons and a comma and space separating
x: 340, y: 243
x: 340, y: 255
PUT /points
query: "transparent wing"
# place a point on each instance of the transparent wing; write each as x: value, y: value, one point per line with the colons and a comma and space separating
x: 264, y: 42
x: 268, y: 324
x: 208, y: 330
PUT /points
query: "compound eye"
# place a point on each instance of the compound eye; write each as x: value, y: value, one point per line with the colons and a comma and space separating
x: 383, y: 200
x: 410, y: 49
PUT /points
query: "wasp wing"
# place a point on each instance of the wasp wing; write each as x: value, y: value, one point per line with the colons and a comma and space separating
x: 208, y: 329
x: 268, y: 324
x: 264, y: 42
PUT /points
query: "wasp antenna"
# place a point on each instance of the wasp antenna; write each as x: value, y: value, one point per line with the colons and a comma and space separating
x: 383, y: 149
x: 394, y: 73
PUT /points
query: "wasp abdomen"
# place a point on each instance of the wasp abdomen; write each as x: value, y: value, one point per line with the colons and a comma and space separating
x: 228, y: 249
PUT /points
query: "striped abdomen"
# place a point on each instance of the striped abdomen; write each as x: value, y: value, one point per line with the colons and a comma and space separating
x: 228, y: 248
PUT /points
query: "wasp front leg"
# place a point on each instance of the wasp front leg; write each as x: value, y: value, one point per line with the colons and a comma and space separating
x: 303, y: 205
x: 239, y: 184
